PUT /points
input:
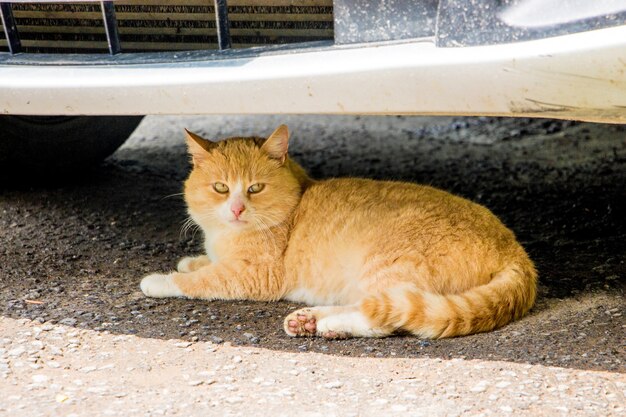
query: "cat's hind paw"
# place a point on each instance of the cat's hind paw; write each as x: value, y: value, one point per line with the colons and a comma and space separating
x: 301, y: 323
x: 159, y: 286
x: 313, y: 322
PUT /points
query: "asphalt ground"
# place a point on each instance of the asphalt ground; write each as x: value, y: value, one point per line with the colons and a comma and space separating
x: 72, y: 255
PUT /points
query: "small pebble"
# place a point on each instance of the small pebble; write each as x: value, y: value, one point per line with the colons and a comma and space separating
x: 39, y: 379
x: 69, y: 321
x: 61, y: 398
x: 333, y: 385
x: 480, y: 387
x: 234, y: 400
x: 18, y: 351
x: 286, y: 393
x: 195, y: 383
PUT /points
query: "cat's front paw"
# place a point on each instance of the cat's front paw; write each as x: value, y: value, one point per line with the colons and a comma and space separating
x: 185, y: 264
x: 159, y: 286
x: 192, y: 263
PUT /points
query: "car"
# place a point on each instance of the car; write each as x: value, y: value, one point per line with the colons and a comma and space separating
x: 76, y: 78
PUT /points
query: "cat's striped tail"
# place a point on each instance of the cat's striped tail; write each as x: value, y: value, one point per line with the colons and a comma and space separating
x: 507, y: 297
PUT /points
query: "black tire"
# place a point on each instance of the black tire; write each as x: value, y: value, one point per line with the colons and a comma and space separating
x: 59, y: 145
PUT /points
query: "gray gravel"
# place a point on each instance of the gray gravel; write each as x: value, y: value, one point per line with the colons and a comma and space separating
x: 66, y: 371
x: 78, y: 338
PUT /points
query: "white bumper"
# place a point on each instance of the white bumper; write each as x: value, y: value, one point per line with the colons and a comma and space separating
x: 579, y: 76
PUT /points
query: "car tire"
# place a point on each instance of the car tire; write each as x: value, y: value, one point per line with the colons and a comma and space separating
x: 58, y: 145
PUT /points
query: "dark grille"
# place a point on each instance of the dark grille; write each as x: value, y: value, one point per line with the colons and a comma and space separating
x: 163, y: 26
x: 57, y: 28
x: 168, y: 25
x: 4, y: 47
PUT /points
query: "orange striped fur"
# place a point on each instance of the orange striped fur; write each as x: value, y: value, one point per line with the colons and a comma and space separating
x: 380, y: 256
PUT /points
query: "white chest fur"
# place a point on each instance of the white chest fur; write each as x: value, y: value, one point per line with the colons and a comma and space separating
x: 210, y: 240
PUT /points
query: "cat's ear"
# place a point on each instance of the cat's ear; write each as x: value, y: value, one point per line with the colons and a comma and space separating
x: 198, y: 146
x: 277, y: 143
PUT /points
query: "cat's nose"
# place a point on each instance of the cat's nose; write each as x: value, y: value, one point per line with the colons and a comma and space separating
x: 237, y: 209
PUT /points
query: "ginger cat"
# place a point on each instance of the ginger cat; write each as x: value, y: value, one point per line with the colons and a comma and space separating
x: 373, y: 257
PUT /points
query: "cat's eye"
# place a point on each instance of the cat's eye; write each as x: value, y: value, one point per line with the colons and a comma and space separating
x: 256, y: 188
x: 220, y: 187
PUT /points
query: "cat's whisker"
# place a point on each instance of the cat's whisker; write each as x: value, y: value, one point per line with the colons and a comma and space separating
x: 172, y: 195
x: 203, y: 218
x: 273, y: 233
x: 263, y: 229
x: 270, y: 220
x: 189, y: 224
x: 274, y: 222
x: 278, y: 228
